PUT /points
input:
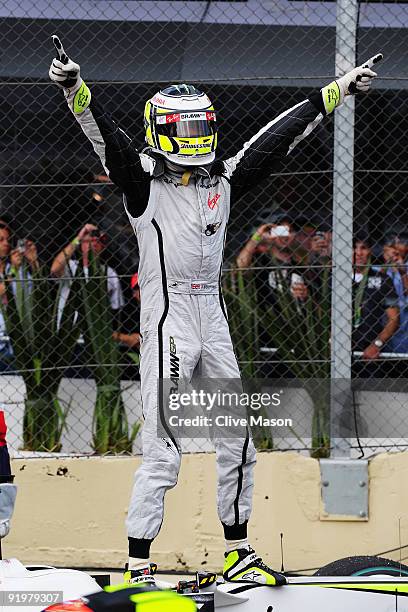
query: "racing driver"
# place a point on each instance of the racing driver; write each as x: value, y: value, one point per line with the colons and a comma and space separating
x: 177, y: 195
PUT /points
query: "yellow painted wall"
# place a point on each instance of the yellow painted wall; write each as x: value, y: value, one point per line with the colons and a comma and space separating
x: 71, y: 512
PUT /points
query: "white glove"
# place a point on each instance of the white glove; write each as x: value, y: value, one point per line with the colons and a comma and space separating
x: 356, y: 81
x: 63, y: 71
x: 8, y: 494
x: 66, y: 74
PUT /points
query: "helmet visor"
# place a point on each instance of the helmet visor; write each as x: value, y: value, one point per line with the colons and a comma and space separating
x: 187, y: 125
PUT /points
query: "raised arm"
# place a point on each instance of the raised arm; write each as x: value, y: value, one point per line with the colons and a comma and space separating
x: 246, y: 254
x: 60, y: 262
x: 128, y: 169
x: 258, y: 157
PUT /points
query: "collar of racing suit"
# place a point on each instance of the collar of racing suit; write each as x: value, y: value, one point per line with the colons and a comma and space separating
x: 185, y: 173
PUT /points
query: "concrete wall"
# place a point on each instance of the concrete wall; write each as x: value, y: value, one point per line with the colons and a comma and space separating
x: 71, y: 512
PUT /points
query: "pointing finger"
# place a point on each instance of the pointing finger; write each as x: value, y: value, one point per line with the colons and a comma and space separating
x: 373, y: 60
x: 62, y: 56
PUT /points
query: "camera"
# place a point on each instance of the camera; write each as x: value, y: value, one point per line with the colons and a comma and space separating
x: 101, y: 236
x: 21, y: 244
x: 280, y: 231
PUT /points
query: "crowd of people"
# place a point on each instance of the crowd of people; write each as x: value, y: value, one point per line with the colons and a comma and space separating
x: 19, y: 259
x: 13, y: 254
x: 282, y: 250
x: 297, y: 254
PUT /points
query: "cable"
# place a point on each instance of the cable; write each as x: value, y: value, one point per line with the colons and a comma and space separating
x: 354, y: 404
x: 272, y: 175
x: 205, y: 12
x: 380, y: 554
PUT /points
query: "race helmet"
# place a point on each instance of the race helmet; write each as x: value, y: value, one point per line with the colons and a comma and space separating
x: 180, y: 124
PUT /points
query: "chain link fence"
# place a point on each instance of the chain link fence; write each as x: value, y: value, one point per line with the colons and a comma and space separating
x: 315, y: 259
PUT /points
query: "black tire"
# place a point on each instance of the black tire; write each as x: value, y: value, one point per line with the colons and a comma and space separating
x: 363, y: 566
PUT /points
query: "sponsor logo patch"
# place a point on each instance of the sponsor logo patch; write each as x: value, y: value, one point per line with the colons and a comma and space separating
x: 174, y: 365
x: 251, y: 575
x: 200, y: 286
x: 158, y: 100
x: 213, y: 201
x: 193, y: 146
x: 176, y: 117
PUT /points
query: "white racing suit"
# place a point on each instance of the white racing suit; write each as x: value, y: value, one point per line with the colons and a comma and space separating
x: 181, y: 232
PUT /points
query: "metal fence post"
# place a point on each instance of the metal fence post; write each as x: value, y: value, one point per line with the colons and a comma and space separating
x: 343, y: 185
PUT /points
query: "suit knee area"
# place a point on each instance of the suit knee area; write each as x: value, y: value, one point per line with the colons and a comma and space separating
x: 235, y: 452
x: 165, y: 467
x: 251, y: 452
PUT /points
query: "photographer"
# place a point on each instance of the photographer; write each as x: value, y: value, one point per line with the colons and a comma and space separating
x: 401, y: 245
x: 130, y: 318
x: 321, y: 244
x: 319, y: 259
x: 6, y: 352
x: 65, y: 265
x: 16, y: 264
x: 25, y: 252
x: 395, y: 257
x: 270, y: 251
x: 375, y: 304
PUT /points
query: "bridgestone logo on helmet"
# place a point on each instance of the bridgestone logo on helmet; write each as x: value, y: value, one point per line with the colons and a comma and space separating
x: 193, y: 146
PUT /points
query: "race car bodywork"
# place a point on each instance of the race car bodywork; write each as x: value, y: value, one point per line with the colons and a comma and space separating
x: 374, y: 593
x: 38, y: 586
x: 315, y: 594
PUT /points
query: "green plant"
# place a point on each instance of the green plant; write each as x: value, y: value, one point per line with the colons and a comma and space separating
x: 135, y: 357
x: 110, y: 426
x: 240, y: 296
x: 302, y: 336
x: 41, y: 349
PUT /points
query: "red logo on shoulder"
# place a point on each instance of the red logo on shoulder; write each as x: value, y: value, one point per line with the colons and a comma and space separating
x: 213, y: 201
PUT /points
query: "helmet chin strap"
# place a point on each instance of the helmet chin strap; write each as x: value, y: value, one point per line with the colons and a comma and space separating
x: 185, y: 171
